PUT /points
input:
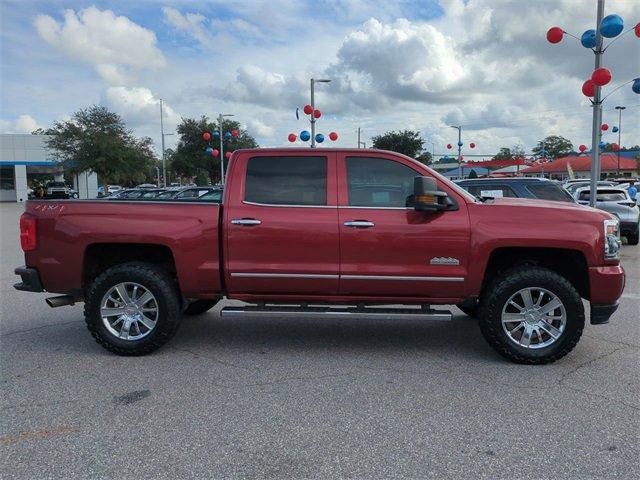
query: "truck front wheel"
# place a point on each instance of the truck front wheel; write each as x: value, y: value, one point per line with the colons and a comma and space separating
x: 132, y: 309
x: 531, y: 315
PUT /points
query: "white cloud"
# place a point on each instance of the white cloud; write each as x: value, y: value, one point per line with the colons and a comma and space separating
x: 23, y: 124
x: 114, y: 45
x: 139, y: 107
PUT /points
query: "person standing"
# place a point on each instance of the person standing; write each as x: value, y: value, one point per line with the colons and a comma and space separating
x: 633, y: 191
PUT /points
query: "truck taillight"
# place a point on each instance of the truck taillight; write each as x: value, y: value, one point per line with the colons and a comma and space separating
x: 28, y: 232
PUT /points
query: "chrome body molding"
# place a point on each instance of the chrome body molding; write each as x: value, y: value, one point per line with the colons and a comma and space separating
x: 283, y: 275
x: 256, y: 204
x: 346, y: 277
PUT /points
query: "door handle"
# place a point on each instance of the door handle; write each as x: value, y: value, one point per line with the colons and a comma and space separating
x: 359, y: 224
x: 247, y: 222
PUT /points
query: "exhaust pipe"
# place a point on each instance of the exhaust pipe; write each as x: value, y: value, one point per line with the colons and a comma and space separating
x: 60, y: 301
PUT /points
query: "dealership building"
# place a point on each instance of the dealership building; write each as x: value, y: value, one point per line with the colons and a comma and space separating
x: 25, y: 160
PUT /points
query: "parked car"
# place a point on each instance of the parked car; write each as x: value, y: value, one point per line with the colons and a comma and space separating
x: 573, y: 186
x: 73, y: 193
x: 111, y: 189
x: 290, y: 242
x: 516, y: 187
x: 147, y: 185
x: 57, y: 190
x: 136, y: 194
x: 192, y: 194
x: 616, y: 201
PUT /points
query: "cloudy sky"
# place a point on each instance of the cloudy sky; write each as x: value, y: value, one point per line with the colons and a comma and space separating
x: 422, y: 65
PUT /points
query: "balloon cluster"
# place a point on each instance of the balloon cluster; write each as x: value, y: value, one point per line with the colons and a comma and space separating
x: 305, y: 135
x: 610, y: 27
x: 214, y: 152
x: 471, y: 145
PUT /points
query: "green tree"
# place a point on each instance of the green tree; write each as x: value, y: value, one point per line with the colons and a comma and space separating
x: 555, y: 146
x: 425, y: 158
x: 504, y: 154
x: 473, y: 174
x: 97, y: 140
x: 201, y: 179
x: 190, y: 154
x: 407, y: 142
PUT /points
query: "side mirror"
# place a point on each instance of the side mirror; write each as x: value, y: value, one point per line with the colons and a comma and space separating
x: 426, y: 196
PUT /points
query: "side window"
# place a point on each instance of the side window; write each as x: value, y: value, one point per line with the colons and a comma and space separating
x: 379, y: 182
x: 287, y: 180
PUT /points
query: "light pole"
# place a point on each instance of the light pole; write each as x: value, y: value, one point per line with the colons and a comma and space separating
x: 459, y: 128
x: 220, y: 119
x: 313, y: 108
x: 164, y: 162
x: 619, y: 108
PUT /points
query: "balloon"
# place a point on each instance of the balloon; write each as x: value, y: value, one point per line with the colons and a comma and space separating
x: 235, y: 133
x: 604, y: 127
x: 614, y: 129
x: 206, y: 136
x: 601, y: 144
x: 588, y: 88
x: 601, y: 76
x: 554, y: 35
x: 635, y: 86
x: 317, y: 114
x: 319, y: 138
x: 307, y: 109
x: 228, y: 155
x: 615, y: 147
x: 582, y: 148
x: 333, y: 136
x: 637, y: 29
x: 216, y: 134
x: 611, y: 26
x: 227, y: 135
x: 215, y: 152
x: 459, y: 144
x: 472, y: 145
x: 461, y: 157
x: 305, y: 136
x: 449, y: 146
x: 209, y: 150
x: 292, y: 137
x: 588, y: 39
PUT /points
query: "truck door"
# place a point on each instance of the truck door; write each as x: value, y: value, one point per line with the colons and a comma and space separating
x: 388, y: 249
x: 281, y: 222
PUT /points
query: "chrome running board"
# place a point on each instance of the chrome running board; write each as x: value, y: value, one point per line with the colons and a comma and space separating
x: 297, y: 311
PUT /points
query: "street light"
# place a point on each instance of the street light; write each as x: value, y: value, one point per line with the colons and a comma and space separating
x: 459, y: 128
x: 619, y: 108
x: 164, y: 163
x: 220, y: 118
x: 313, y: 108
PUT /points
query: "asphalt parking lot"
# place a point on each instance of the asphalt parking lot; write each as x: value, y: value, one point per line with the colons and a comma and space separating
x: 310, y: 398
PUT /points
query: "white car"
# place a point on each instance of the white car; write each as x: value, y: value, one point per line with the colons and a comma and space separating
x: 113, y: 189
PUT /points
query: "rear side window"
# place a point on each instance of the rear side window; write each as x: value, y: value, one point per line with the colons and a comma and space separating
x: 604, y: 196
x: 379, y: 182
x: 287, y: 180
x: 545, y: 191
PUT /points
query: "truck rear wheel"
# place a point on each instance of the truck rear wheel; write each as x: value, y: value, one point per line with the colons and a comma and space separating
x: 132, y: 309
x: 531, y: 315
x: 198, y: 307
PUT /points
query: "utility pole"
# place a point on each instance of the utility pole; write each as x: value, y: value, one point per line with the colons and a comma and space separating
x: 619, y: 108
x: 597, y: 113
x: 358, y: 137
x: 459, y: 127
x: 164, y: 162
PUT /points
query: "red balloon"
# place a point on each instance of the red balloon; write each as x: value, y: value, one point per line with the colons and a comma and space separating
x: 333, y: 136
x: 472, y: 145
x: 637, y: 29
x: 615, y: 147
x: 582, y: 148
x: 206, y: 136
x: 588, y: 88
x: 228, y: 154
x: 308, y: 109
x: 461, y: 157
x: 449, y: 146
x: 604, y: 127
x: 601, y: 76
x: 215, y: 152
x: 317, y: 114
x: 235, y: 133
x: 292, y: 137
x: 554, y: 35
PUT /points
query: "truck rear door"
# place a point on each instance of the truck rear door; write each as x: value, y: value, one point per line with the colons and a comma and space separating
x: 281, y: 223
x: 388, y: 249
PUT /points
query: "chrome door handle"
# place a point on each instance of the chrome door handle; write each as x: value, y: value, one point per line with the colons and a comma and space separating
x: 247, y: 222
x: 359, y: 224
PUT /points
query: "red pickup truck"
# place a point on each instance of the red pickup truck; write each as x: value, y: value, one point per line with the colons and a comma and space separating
x: 329, y: 232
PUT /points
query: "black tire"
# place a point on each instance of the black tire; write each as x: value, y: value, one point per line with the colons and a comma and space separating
x: 470, y: 311
x: 500, y: 291
x: 198, y: 307
x: 159, y: 283
x: 633, y: 238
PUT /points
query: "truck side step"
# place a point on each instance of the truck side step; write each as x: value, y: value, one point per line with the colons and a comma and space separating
x: 296, y: 311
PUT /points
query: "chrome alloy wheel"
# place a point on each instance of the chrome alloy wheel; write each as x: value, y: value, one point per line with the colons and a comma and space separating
x: 534, y: 318
x: 129, y: 311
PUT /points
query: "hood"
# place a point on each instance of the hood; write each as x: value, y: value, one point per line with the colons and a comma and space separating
x: 573, y: 209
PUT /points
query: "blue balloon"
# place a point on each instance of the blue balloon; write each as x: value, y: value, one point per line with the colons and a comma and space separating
x: 614, y: 129
x: 601, y: 144
x: 636, y: 85
x: 227, y: 135
x: 305, y: 136
x: 588, y: 39
x: 209, y: 150
x: 611, y: 26
x: 460, y: 144
x: 216, y: 134
x: 319, y: 138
